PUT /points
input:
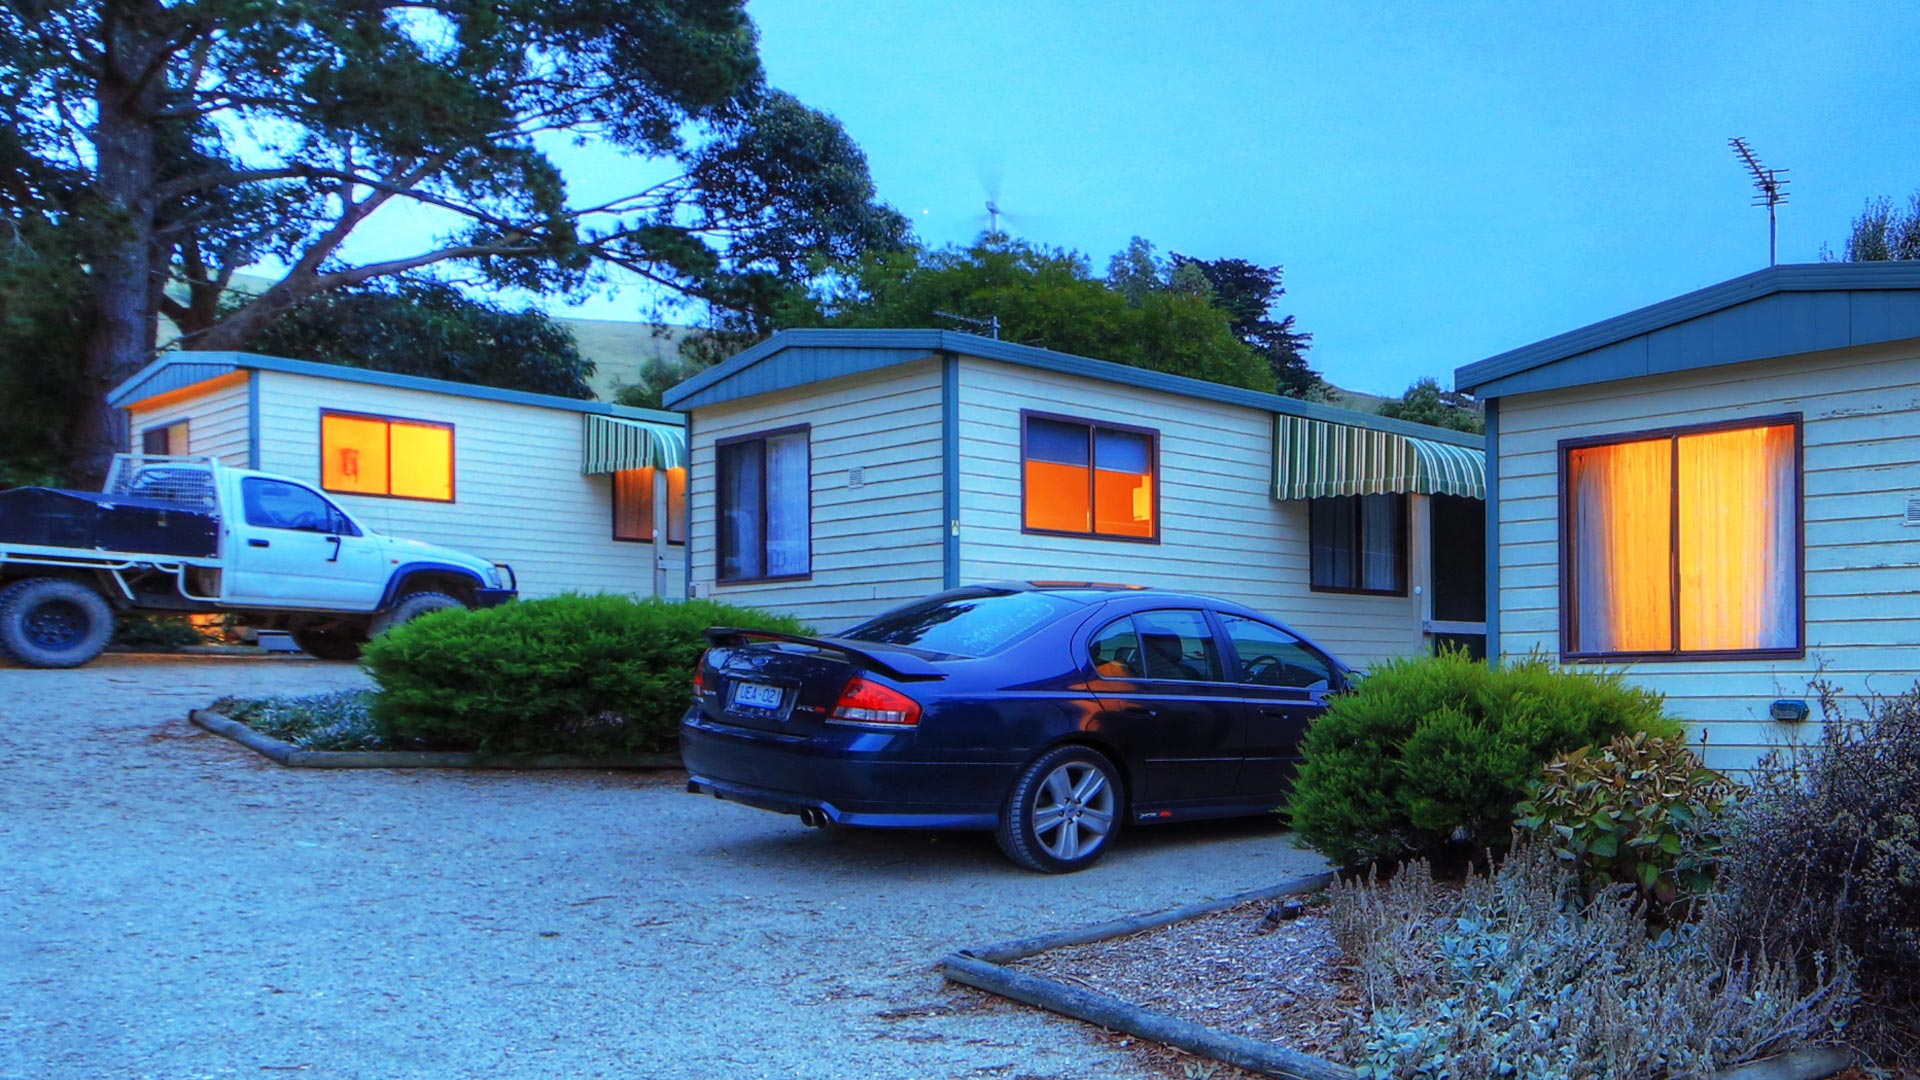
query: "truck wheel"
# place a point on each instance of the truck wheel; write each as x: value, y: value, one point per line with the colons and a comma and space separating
x: 414, y: 605
x: 329, y: 644
x: 53, y: 622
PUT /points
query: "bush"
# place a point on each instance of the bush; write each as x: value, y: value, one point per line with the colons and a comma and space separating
x: 341, y: 720
x: 1825, y: 858
x: 1514, y: 975
x: 139, y: 631
x: 1433, y: 749
x: 1641, y: 811
x: 592, y: 675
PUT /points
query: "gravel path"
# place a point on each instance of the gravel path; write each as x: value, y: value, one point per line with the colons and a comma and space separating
x: 174, y: 906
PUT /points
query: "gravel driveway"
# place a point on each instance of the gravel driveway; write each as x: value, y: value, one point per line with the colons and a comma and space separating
x: 174, y: 906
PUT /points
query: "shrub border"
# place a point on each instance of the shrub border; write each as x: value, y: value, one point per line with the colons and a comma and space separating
x: 984, y: 968
x: 285, y: 753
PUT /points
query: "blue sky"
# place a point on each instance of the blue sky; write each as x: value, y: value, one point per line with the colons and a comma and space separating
x: 1441, y: 182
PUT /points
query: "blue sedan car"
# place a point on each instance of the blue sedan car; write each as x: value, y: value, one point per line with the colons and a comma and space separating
x: 1054, y: 714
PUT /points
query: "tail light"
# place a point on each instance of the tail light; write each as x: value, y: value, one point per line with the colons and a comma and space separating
x: 864, y: 702
x: 700, y: 677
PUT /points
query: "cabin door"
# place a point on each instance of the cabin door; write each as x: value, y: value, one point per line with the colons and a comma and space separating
x: 1457, y: 574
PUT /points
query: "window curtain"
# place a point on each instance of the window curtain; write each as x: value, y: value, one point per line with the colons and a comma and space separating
x: 1619, y: 503
x: 1737, y: 549
x: 1058, y: 458
x: 742, y: 547
x: 1380, y: 529
x: 1122, y: 483
x: 1330, y: 530
x: 789, y: 505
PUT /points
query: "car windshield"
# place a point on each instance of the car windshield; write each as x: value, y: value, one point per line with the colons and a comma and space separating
x: 963, y: 625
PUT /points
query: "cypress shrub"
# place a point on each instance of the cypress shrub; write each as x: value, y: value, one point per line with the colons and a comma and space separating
x: 1432, y: 750
x: 579, y: 674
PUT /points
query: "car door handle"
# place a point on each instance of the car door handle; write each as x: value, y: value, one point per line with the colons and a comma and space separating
x: 1277, y: 712
x: 259, y: 543
x: 1139, y: 712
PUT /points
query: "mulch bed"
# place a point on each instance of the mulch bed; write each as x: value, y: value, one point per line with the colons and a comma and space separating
x: 1239, y: 971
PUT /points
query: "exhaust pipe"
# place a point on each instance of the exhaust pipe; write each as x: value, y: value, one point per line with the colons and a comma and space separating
x: 813, y: 817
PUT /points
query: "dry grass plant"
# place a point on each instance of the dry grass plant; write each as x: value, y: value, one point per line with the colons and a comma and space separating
x: 1513, y: 974
x: 1825, y: 857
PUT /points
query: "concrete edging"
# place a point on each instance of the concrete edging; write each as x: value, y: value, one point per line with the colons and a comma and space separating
x: 983, y: 968
x: 285, y: 753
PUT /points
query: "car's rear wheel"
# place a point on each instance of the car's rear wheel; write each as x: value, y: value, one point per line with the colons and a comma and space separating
x: 1064, y: 811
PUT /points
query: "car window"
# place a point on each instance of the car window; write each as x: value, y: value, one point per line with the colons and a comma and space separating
x: 964, y: 625
x: 1116, y: 651
x: 1177, y: 645
x: 275, y: 504
x: 1269, y: 656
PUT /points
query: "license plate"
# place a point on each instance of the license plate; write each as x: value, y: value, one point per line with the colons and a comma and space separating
x: 753, y: 695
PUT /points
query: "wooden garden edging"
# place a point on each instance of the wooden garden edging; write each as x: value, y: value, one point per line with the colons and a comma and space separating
x: 984, y: 969
x: 287, y: 754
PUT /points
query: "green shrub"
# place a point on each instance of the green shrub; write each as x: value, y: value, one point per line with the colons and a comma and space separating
x: 1641, y: 810
x: 1428, y: 750
x: 1824, y: 859
x: 140, y: 631
x: 576, y: 674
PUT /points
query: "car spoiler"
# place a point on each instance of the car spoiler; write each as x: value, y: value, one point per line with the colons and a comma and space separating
x: 900, y: 665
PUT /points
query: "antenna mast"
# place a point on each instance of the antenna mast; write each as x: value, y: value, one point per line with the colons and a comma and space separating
x: 993, y: 217
x: 1770, y: 190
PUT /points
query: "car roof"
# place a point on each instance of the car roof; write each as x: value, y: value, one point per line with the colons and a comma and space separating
x: 1095, y: 592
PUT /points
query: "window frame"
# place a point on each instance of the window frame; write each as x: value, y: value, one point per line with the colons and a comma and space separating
x: 613, y: 503
x: 453, y: 455
x: 1402, y: 556
x: 335, y: 515
x: 719, y: 486
x: 1564, y: 541
x: 1093, y: 515
x: 185, y: 424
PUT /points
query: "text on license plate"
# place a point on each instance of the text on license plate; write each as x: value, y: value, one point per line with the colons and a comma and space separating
x: 755, y: 695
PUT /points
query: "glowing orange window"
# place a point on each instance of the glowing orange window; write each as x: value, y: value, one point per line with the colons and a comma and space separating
x: 1089, y: 479
x: 373, y: 455
x: 1684, y: 542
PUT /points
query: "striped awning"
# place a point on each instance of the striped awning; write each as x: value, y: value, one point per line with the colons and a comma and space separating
x: 611, y: 444
x: 1314, y: 459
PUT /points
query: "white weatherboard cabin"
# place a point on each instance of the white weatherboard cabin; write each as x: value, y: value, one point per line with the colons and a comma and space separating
x: 577, y: 496
x: 836, y: 473
x: 1719, y: 493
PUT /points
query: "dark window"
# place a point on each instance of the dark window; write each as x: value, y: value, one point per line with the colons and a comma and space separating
x: 764, y: 505
x: 1116, y: 652
x: 275, y: 504
x: 964, y: 626
x: 1090, y: 479
x: 1177, y: 645
x: 1269, y: 656
x: 1359, y: 544
x: 633, y: 505
x: 168, y: 440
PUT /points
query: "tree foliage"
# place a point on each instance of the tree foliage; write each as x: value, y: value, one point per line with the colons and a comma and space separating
x: 1049, y: 298
x: 432, y: 329
x: 1883, y: 232
x: 1425, y: 403
x: 1248, y: 293
x: 203, y: 136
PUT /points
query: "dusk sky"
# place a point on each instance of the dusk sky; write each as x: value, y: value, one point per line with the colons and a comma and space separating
x: 1441, y: 182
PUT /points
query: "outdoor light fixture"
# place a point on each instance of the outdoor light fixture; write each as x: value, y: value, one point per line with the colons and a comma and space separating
x: 1789, y: 711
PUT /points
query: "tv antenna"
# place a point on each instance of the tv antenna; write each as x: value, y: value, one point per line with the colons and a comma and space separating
x: 991, y: 323
x: 1770, y: 190
x: 993, y: 215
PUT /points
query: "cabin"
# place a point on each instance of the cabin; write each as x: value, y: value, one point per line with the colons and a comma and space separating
x: 577, y: 496
x: 1719, y: 494
x: 837, y: 473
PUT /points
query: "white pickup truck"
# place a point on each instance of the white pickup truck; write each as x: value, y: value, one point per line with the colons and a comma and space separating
x: 182, y: 534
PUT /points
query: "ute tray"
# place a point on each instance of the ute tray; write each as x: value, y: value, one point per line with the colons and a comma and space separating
x: 92, y: 521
